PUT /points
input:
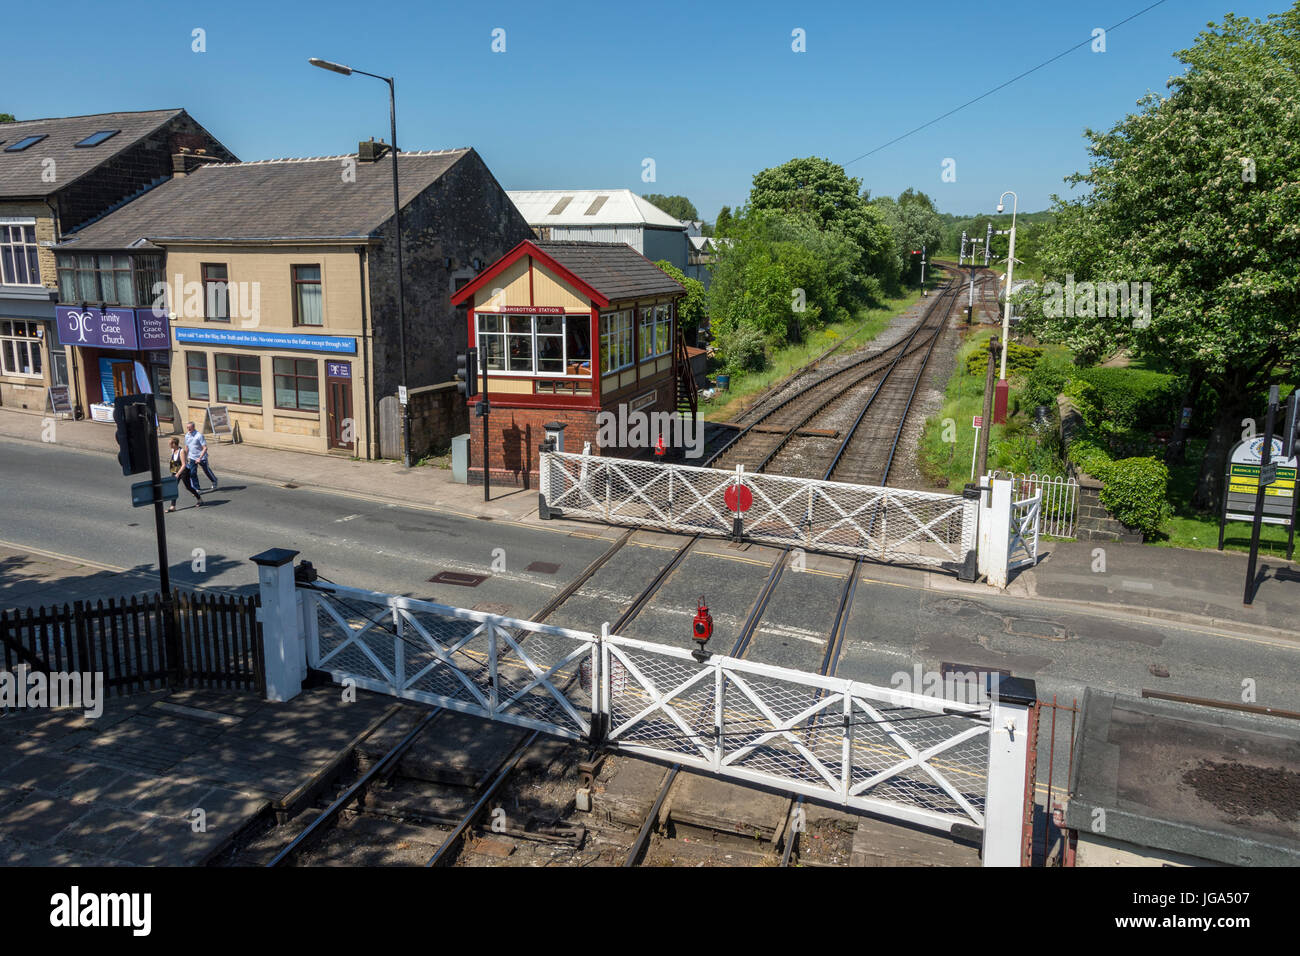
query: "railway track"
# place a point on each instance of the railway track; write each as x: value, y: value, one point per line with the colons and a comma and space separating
x: 523, y: 811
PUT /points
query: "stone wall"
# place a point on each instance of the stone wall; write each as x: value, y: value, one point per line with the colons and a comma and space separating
x: 1093, y: 522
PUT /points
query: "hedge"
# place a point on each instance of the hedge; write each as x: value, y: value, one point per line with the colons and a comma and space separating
x: 1133, y: 398
x: 1136, y: 492
x: 1020, y: 358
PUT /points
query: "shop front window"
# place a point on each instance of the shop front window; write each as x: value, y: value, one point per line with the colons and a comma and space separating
x: 196, y: 374
x: 239, y: 379
x: 297, y: 384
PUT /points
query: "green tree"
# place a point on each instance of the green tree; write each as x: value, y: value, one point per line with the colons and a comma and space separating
x: 679, y: 207
x: 824, y: 194
x: 8, y: 118
x: 722, y: 226
x: 1197, y: 194
x: 914, y: 223
x: 692, y: 309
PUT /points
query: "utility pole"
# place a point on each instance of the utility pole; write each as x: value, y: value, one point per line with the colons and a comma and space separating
x: 983, y: 448
x: 1265, y: 456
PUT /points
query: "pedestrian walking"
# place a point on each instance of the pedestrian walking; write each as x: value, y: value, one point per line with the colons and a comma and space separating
x: 197, y: 449
x: 180, y: 468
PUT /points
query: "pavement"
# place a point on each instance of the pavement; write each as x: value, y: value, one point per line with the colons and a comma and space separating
x: 1198, y: 588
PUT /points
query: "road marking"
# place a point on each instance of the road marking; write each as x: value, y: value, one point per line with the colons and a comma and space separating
x: 1137, y: 585
x: 346, y: 518
x: 28, y: 549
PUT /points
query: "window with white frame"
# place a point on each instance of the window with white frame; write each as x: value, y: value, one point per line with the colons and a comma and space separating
x: 18, y: 262
x: 534, y: 344
x: 20, y: 348
x: 654, y: 332
x: 615, y: 341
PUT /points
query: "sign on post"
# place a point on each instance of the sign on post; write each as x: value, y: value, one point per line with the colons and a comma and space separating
x: 401, y: 394
x: 142, y: 492
x: 1244, y: 479
x: 219, y: 420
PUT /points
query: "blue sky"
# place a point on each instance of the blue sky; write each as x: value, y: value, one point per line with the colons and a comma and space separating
x: 584, y: 92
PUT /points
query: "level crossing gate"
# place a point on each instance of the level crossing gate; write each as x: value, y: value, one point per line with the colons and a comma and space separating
x: 886, y: 524
x: 920, y: 759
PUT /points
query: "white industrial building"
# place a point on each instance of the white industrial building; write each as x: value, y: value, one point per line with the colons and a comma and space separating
x: 605, y: 215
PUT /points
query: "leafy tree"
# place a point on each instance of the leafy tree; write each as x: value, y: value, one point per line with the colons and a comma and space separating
x: 8, y: 118
x: 913, y: 223
x: 679, y: 207
x: 823, y: 193
x: 723, y: 225
x: 1197, y: 194
x: 692, y: 309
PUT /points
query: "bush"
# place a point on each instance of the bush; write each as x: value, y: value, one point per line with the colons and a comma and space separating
x: 1020, y: 358
x: 1136, y: 492
x: 1084, y: 397
x: 1133, y: 397
x: 1047, y: 380
x: 744, y: 349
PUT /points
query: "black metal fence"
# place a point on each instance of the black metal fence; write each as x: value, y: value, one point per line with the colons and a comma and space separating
x: 143, y: 643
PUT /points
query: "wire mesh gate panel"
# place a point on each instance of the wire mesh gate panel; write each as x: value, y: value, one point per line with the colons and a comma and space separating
x: 519, y: 672
x: 886, y: 524
x: 903, y: 755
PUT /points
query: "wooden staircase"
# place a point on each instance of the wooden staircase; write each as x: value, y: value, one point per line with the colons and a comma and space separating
x: 688, y: 395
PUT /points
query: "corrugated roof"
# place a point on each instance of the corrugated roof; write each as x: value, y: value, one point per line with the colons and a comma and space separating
x: 24, y: 173
x: 268, y: 199
x: 614, y: 269
x: 589, y: 207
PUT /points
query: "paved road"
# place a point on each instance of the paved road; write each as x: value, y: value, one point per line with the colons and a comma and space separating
x: 76, y: 503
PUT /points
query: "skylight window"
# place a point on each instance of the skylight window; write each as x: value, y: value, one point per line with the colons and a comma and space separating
x: 96, y: 138
x: 595, y: 205
x: 23, y: 143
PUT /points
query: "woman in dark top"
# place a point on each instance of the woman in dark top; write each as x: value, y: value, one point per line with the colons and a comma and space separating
x: 181, y: 470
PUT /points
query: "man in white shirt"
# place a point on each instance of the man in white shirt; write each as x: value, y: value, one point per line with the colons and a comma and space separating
x: 197, y: 450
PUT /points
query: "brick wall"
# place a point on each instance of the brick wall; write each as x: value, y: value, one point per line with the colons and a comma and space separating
x: 514, y: 435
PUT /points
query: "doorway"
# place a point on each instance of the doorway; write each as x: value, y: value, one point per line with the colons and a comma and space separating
x: 340, y: 425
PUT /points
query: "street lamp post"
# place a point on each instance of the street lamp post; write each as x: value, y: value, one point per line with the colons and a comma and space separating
x: 397, y: 224
x: 1003, y: 389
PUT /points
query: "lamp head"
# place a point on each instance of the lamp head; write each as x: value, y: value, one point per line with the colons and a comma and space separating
x: 333, y: 67
x: 1000, y: 207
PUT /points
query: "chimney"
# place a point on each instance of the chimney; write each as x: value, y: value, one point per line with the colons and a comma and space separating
x: 368, y: 150
x: 187, y: 160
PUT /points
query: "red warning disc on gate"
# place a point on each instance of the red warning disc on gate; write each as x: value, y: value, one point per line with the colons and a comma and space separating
x: 739, y: 498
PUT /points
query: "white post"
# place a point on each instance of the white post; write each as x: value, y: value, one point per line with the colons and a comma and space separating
x: 284, y: 647
x: 995, y: 531
x: 1005, y: 803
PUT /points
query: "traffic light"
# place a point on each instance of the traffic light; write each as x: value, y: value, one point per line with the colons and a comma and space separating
x: 467, y: 373
x: 130, y: 413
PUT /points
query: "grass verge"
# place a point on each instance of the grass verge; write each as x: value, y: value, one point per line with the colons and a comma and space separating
x: 748, y: 387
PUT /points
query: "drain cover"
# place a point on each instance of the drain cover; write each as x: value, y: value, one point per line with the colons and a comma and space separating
x: 459, y: 578
x: 543, y: 567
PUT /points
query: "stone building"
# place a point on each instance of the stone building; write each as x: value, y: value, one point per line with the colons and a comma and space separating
x: 282, y: 292
x: 55, y: 176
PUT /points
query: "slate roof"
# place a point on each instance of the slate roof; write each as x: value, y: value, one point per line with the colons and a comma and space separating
x: 21, y: 172
x: 614, y: 269
x: 589, y: 207
x: 268, y: 199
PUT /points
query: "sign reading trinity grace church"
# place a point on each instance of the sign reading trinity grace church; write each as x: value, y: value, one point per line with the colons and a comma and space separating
x: 130, y: 330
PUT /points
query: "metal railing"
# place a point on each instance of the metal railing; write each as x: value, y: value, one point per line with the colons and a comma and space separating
x: 1060, y: 501
x: 886, y: 524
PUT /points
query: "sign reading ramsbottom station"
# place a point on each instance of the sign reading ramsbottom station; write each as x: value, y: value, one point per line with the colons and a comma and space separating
x: 288, y: 341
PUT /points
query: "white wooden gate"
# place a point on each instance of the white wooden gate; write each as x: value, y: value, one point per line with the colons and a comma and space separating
x: 886, y: 524
x: 1022, y: 548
